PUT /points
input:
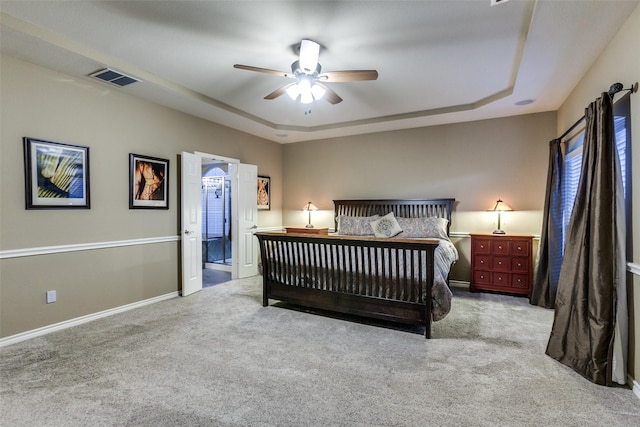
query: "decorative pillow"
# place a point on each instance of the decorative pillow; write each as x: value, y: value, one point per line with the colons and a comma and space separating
x: 355, y: 225
x: 432, y: 228
x: 387, y: 226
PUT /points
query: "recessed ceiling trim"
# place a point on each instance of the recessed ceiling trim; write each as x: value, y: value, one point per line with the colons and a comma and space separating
x: 72, y: 46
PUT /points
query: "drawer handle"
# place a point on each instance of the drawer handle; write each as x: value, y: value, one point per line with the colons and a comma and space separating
x: 481, y: 246
x: 519, y: 248
x: 519, y: 264
x: 519, y: 280
x: 482, y: 262
x: 499, y: 262
x: 499, y: 246
x: 500, y: 279
x: 482, y: 276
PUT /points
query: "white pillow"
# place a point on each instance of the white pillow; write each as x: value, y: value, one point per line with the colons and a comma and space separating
x: 387, y: 226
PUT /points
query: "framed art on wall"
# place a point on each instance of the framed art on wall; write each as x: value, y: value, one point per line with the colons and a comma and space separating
x: 148, y: 182
x: 56, y: 175
x: 264, y: 192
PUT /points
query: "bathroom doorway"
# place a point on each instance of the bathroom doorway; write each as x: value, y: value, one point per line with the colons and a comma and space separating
x: 216, y: 223
x: 242, y: 208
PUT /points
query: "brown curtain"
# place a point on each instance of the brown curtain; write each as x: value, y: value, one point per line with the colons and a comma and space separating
x: 582, y: 336
x: 545, y: 283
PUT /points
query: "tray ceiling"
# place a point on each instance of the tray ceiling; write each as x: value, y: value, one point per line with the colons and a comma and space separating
x: 438, y: 61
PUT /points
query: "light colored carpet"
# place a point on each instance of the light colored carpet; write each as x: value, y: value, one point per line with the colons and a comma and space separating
x: 218, y: 358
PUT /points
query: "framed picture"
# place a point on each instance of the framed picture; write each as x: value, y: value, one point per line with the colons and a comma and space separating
x: 148, y: 182
x: 264, y: 192
x: 56, y: 175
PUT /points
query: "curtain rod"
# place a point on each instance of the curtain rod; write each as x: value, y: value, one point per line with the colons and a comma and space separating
x: 615, y: 88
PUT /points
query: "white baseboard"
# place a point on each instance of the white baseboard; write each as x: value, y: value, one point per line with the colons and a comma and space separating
x: 80, y: 320
x: 634, y: 385
x: 458, y: 284
x: 634, y: 268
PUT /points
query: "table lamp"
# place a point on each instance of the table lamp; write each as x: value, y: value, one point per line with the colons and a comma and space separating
x: 309, y: 207
x: 500, y: 207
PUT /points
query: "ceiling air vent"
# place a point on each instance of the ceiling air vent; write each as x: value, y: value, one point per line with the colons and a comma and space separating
x: 114, y: 77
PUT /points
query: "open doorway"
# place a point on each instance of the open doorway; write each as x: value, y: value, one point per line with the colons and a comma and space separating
x: 240, y: 223
x: 217, y: 216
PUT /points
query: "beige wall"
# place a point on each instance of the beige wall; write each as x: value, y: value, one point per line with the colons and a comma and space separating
x: 476, y: 163
x: 40, y: 103
x: 618, y: 63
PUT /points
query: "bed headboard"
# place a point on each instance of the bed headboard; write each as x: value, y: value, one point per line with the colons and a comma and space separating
x: 407, y: 208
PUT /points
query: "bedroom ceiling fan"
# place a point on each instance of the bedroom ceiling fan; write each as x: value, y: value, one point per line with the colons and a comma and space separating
x: 309, y: 80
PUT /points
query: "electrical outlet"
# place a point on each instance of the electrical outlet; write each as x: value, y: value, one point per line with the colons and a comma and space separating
x: 51, y: 296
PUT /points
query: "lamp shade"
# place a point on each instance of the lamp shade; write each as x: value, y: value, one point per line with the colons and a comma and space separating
x: 501, y: 206
x: 309, y: 207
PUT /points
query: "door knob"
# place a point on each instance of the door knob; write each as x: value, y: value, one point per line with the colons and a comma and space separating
x: 188, y: 232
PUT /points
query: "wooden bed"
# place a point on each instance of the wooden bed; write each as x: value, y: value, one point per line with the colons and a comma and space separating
x: 383, y: 278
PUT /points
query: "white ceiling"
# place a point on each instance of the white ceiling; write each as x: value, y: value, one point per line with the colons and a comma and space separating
x: 438, y: 61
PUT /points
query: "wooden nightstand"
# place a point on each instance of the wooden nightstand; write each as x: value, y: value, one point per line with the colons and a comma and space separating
x: 501, y: 263
x: 305, y: 230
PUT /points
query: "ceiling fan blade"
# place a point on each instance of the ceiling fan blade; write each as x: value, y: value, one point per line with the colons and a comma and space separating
x: 348, y: 76
x: 281, y: 90
x: 263, y: 70
x: 330, y: 95
x: 309, y: 53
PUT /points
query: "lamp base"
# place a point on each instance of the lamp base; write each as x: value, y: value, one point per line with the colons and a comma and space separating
x: 309, y: 226
x: 498, y: 231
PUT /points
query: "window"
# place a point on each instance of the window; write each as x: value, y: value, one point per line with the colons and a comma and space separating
x: 573, y: 166
x: 570, y: 179
x: 622, y: 118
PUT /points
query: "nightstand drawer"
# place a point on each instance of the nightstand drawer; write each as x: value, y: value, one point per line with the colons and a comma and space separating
x: 520, y: 247
x: 481, y: 246
x: 520, y: 265
x: 500, y: 247
x: 482, y: 277
x: 501, y: 263
x: 520, y: 281
x: 482, y: 261
x: 500, y: 279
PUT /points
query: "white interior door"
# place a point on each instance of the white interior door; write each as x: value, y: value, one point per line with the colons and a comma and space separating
x: 191, y: 222
x: 247, y: 255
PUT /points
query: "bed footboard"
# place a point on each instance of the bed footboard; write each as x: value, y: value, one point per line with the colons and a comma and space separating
x: 388, y: 279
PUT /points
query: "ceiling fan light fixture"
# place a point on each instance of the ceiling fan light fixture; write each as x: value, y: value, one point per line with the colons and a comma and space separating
x: 309, y: 54
x: 306, y: 96
x: 293, y: 91
x: 308, y: 81
x: 317, y: 91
